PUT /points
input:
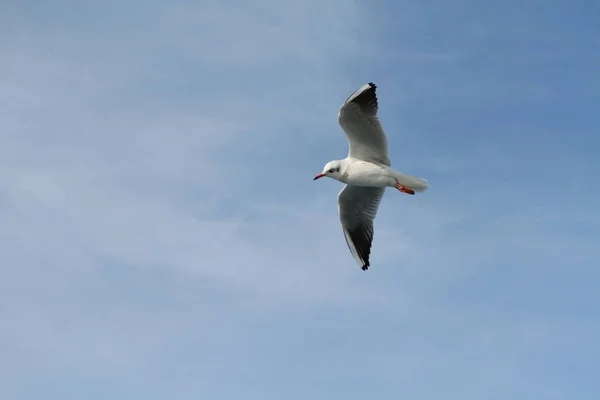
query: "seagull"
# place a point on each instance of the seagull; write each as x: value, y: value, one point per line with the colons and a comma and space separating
x: 366, y: 172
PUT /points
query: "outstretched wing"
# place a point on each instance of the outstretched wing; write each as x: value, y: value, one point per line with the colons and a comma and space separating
x: 358, y: 118
x: 358, y: 207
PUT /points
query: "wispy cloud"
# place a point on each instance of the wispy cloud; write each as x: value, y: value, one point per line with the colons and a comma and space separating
x: 120, y: 142
x: 161, y: 235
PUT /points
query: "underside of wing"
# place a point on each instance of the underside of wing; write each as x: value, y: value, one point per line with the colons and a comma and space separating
x: 357, y: 208
x: 358, y: 118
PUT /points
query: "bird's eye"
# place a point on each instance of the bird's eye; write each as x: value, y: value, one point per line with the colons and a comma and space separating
x: 331, y: 170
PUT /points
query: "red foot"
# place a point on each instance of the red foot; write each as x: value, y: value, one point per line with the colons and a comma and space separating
x: 404, y: 189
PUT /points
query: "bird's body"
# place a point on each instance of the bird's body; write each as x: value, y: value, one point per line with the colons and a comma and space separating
x: 366, y: 171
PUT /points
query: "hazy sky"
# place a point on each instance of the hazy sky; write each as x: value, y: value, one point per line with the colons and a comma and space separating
x: 161, y: 236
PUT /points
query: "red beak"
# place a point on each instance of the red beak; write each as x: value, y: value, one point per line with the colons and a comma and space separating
x: 318, y: 176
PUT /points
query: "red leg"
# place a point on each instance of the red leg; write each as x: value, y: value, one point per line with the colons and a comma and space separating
x: 404, y: 189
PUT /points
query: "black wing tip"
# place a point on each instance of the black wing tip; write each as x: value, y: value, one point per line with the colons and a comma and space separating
x: 372, y: 89
x: 369, y: 90
x: 362, y: 239
x: 366, y: 99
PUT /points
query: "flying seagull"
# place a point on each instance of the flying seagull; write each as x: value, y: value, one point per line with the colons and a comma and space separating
x: 366, y: 172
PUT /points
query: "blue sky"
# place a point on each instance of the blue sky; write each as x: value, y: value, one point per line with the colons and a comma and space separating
x: 162, y: 237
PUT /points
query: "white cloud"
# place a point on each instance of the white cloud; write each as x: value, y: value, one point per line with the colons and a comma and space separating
x: 117, y: 139
x: 139, y: 220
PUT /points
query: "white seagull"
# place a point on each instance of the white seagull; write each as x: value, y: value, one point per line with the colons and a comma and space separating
x: 366, y: 172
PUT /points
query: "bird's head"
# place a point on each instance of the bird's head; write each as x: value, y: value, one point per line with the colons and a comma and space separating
x: 333, y: 169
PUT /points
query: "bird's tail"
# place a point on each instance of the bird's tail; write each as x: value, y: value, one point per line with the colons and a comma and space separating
x: 415, y: 183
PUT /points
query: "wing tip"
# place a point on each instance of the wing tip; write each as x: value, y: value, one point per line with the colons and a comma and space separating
x: 360, y: 255
x: 366, y: 98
